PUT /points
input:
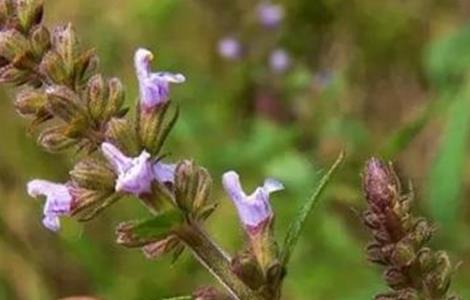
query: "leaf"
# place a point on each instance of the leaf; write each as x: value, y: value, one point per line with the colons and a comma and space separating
x: 139, y: 233
x: 297, y: 225
x: 445, y: 182
x: 402, y: 137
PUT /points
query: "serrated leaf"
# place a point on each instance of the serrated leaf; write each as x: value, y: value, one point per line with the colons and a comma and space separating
x: 299, y: 221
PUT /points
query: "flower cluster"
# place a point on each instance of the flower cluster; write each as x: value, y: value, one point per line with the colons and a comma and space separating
x: 269, y: 16
x: 413, y: 271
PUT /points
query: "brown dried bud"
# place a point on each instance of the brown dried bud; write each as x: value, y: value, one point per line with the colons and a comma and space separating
x: 246, y: 267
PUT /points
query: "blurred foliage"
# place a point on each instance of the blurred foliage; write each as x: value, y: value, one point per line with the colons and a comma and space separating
x: 385, y: 78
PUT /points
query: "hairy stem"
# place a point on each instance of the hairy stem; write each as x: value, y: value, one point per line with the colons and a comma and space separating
x: 215, y: 260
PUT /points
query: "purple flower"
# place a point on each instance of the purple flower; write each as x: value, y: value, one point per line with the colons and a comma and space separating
x: 135, y: 175
x: 253, y: 209
x: 230, y: 48
x: 154, y: 87
x: 270, y: 15
x: 279, y: 61
x: 58, y: 201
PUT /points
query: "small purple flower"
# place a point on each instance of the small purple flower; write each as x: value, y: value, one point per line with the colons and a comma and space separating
x: 154, y: 87
x: 270, y: 15
x: 230, y: 48
x: 279, y: 61
x: 58, y: 201
x: 253, y: 209
x: 135, y: 175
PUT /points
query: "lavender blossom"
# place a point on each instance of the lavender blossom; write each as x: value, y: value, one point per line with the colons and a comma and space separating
x: 154, y: 87
x: 253, y: 209
x: 58, y: 201
x: 279, y: 61
x: 230, y: 48
x: 135, y: 175
x: 270, y: 15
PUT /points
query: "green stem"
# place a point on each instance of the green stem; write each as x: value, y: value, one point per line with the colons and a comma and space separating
x: 215, y: 260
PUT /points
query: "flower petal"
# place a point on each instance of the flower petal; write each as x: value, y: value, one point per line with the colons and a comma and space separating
x: 272, y: 185
x: 116, y: 158
x: 164, y: 172
x: 137, y: 178
x: 231, y: 183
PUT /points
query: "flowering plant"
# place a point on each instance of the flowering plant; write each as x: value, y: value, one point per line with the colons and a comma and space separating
x: 119, y: 153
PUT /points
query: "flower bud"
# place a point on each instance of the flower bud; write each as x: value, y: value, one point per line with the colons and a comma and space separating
x: 375, y: 254
x: 403, y: 254
x: 394, y: 278
x: 86, y: 66
x: 55, y: 139
x: 121, y: 132
x: 53, y: 68
x: 65, y: 104
x: 380, y: 184
x: 116, y: 97
x: 65, y: 42
x: 192, y: 187
x: 12, y: 44
x: 29, y: 12
x: 96, y: 94
x: 159, y: 248
x: 31, y: 102
x: 40, y: 41
x: 89, y: 203
x: 10, y: 74
x: 93, y: 174
x: 246, y: 267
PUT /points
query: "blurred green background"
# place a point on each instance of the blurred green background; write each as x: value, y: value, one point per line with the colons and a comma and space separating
x: 384, y: 78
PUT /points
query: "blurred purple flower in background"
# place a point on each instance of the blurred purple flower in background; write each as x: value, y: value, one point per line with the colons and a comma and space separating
x: 270, y: 15
x: 135, y: 175
x: 253, y: 209
x: 230, y: 48
x: 58, y: 201
x: 154, y: 87
x: 279, y: 61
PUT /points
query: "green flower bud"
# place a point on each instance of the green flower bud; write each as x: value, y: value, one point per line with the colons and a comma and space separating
x: 65, y: 104
x: 97, y: 96
x: 12, y: 44
x: 93, y: 174
x: 31, y: 102
x: 29, y: 12
x: 55, y: 139
x: 65, y: 43
x: 121, y: 132
x: 40, y: 40
x: 53, y: 68
x: 116, y: 99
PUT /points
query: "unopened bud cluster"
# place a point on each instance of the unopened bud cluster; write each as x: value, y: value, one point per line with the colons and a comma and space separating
x: 412, y: 270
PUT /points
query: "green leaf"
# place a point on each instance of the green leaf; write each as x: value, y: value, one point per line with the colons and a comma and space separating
x: 140, y: 233
x: 401, y: 138
x: 445, y: 182
x: 296, y: 226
